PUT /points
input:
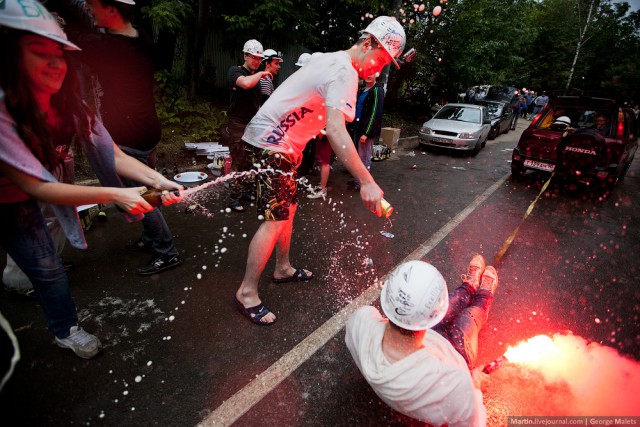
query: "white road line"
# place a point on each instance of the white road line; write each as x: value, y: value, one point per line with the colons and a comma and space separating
x: 238, y: 404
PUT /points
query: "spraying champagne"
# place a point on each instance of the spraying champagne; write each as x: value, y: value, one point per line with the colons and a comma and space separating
x: 154, y: 196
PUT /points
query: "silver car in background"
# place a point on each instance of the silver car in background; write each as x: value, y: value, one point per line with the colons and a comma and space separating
x: 463, y: 127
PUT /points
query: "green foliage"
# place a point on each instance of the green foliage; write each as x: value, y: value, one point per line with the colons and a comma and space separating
x: 408, y: 125
x: 191, y: 120
x: 610, y: 63
x: 168, y: 15
x: 319, y: 25
x: 521, y: 43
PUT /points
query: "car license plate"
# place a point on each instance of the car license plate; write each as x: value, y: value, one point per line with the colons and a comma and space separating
x: 440, y: 140
x: 539, y: 165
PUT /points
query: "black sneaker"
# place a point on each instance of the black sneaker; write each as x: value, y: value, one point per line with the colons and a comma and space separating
x: 159, y: 263
x: 138, y: 246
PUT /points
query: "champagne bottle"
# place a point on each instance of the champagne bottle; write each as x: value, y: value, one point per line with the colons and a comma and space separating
x: 154, y: 196
x: 387, y: 209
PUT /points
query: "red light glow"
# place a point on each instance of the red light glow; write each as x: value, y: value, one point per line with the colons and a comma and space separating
x: 535, y: 119
x: 620, y: 130
x: 565, y: 375
x: 535, y: 350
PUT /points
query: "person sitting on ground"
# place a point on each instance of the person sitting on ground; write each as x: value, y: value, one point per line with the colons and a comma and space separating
x: 418, y: 360
x: 40, y: 115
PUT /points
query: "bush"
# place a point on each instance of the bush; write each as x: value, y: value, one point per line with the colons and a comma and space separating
x: 194, y: 121
x: 409, y: 124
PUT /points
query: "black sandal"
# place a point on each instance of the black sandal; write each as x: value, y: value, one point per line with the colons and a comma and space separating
x: 254, y: 314
x: 298, y: 276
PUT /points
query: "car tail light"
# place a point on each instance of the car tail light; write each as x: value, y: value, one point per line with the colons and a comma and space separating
x: 536, y: 119
x: 620, y: 130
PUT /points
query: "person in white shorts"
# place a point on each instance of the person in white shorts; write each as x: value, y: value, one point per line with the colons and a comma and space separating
x: 418, y: 361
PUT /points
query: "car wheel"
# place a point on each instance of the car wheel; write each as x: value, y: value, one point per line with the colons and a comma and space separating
x: 494, y: 133
x: 476, y: 148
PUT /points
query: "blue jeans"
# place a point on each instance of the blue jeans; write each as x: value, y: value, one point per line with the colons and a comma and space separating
x: 155, y: 231
x: 536, y: 110
x: 365, y: 152
x: 514, y: 120
x: 468, y: 312
x: 27, y: 240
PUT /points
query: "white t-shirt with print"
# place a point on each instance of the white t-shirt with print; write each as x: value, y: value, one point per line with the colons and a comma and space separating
x: 432, y: 384
x: 296, y: 111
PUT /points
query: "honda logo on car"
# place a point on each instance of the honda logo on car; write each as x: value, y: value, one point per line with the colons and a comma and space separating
x: 581, y: 150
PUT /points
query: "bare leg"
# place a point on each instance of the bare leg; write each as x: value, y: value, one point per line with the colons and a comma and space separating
x: 325, y: 169
x: 260, y: 250
x: 283, y: 245
x: 283, y: 264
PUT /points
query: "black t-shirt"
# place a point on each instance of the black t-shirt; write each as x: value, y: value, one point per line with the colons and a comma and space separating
x: 124, y: 69
x: 244, y: 103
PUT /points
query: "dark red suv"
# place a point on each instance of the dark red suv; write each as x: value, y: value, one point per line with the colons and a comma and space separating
x: 581, y: 138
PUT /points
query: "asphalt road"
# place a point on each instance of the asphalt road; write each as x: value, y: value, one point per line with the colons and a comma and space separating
x: 177, y: 353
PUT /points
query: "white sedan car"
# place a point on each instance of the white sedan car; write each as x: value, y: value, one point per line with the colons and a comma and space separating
x: 463, y: 127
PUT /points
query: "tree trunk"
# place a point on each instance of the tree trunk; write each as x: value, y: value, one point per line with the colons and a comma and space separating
x: 581, y: 41
x: 165, y: 50
x: 384, y: 75
x: 204, y: 8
